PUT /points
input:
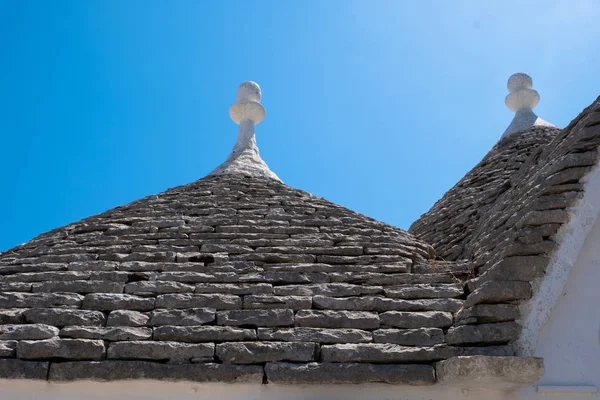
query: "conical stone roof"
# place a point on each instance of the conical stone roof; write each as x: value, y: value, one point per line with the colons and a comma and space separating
x: 235, y: 277
x: 466, y: 223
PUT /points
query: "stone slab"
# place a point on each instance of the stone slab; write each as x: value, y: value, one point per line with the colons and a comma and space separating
x: 18, y: 369
x: 317, y: 335
x: 67, y: 349
x: 337, y: 319
x: 64, y: 316
x: 260, y: 352
x: 173, y: 352
x: 349, y: 373
x: 114, y: 301
x: 499, y: 292
x: 127, y: 370
x: 383, y: 353
x: 216, y: 301
x: 281, y: 302
x: 27, y: 332
x: 113, y: 333
x: 498, y: 333
x: 256, y: 318
x: 126, y: 318
x: 183, y: 317
x: 382, y: 304
x: 196, y: 334
x: 414, y: 320
x: 422, y: 337
x: 483, y: 371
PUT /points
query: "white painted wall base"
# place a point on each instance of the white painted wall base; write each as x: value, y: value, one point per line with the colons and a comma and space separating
x: 567, y: 390
x: 569, y: 341
x: 152, y: 390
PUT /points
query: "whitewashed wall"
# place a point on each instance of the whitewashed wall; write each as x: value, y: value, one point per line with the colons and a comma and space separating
x: 151, y: 390
x: 569, y: 341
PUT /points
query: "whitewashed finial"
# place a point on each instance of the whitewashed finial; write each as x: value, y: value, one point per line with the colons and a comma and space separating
x: 521, y: 100
x: 246, y: 112
x: 247, y: 104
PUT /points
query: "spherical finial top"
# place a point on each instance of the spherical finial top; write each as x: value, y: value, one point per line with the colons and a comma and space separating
x: 247, y: 105
x: 521, y: 94
x: 248, y: 91
x: 519, y: 81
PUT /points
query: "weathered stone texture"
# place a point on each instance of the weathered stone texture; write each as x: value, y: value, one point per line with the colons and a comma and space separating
x: 110, y: 333
x: 173, y: 352
x: 191, y: 283
x: 413, y: 320
x: 256, y: 318
x: 327, y: 289
x: 235, y: 288
x: 158, y: 287
x: 184, y: 317
x: 486, y: 313
x: 126, y: 318
x: 502, y: 372
x: 278, y: 302
x: 425, y: 291
x: 27, y: 332
x: 518, y: 268
x: 216, y: 301
x: 381, y: 304
x: 499, y: 292
x: 337, y: 319
x: 502, y: 332
x: 318, y: 335
x: 409, y: 337
x: 12, y: 316
x: 470, y: 219
x: 349, y: 373
x: 8, y: 348
x: 64, y: 316
x: 39, y: 300
x: 109, y: 302
x: 254, y: 353
x: 67, y: 349
x: 17, y: 369
x: 195, y: 334
x: 383, y: 353
x: 127, y: 370
x: 79, y: 287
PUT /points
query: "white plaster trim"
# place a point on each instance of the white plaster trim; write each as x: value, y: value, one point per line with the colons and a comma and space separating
x: 16, y: 389
x: 571, y: 390
x: 547, y: 290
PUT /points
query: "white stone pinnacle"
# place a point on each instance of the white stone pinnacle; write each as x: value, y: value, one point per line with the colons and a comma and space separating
x: 521, y: 100
x: 245, y: 158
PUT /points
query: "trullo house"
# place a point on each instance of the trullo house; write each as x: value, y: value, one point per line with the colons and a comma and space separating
x: 238, y: 286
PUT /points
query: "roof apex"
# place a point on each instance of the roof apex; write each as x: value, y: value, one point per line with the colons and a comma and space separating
x: 521, y: 100
x: 245, y: 158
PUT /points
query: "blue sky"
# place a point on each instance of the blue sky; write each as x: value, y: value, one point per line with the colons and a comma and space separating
x: 380, y: 106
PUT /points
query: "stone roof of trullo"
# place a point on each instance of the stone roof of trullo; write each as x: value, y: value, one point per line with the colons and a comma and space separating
x: 506, y: 217
x: 235, y: 277
x: 230, y: 272
x: 239, y: 278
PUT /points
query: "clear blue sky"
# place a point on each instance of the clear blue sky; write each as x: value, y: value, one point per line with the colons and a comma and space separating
x: 380, y: 106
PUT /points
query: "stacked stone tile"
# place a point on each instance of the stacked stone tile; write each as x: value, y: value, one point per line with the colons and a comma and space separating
x: 458, y: 223
x: 240, y: 278
x: 502, y: 218
x: 233, y: 278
